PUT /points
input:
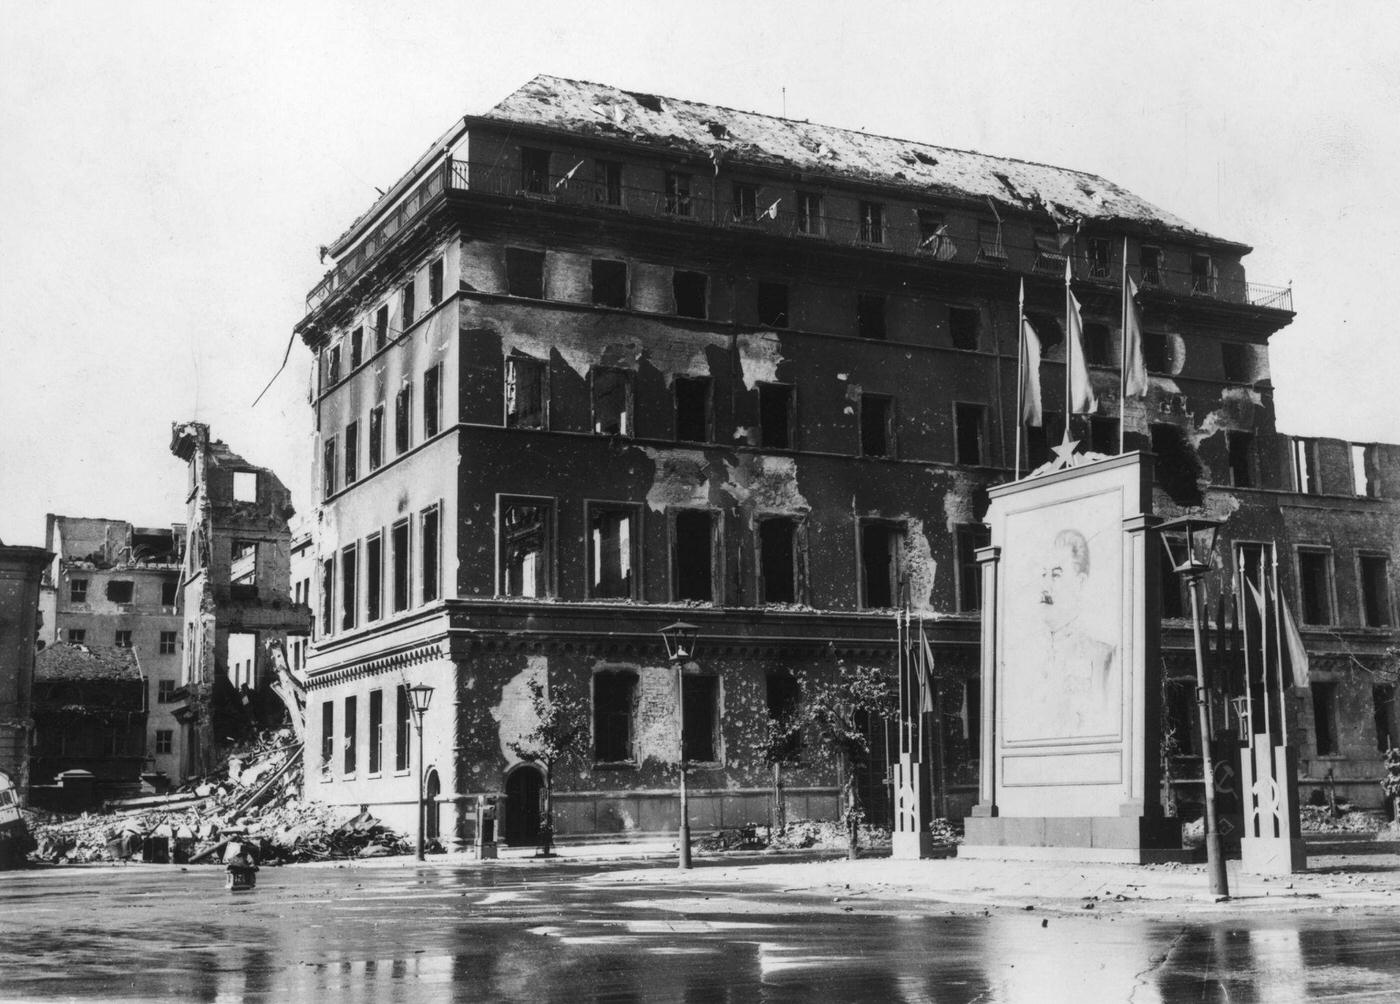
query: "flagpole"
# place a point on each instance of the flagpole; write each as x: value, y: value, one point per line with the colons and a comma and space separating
x: 1123, y: 355
x: 1020, y: 373
x: 1264, y: 655
x: 1278, y: 644
x: 1242, y: 601
x: 1069, y: 354
x: 900, y: 663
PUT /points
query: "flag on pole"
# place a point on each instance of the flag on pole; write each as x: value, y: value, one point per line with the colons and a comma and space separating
x: 1031, y: 413
x: 1134, y: 371
x: 771, y: 212
x: 1081, y: 391
x: 1293, y: 645
x: 925, y: 664
x: 568, y: 175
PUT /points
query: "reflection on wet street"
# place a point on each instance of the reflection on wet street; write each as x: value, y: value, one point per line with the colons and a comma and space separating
x: 559, y: 934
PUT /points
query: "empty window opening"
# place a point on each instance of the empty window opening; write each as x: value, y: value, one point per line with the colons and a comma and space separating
x: 989, y: 242
x: 525, y: 397
x: 612, y: 536
x: 607, y: 176
x: 243, y: 564
x: 381, y: 327
x: 1156, y: 352
x: 245, y: 486
x: 403, y: 419
x: 327, y: 595
x: 430, y: 555
x: 1305, y: 474
x: 1239, y: 447
x: 614, y: 704
x: 970, y: 422
x: 525, y: 273
x: 872, y: 222
x: 435, y: 275
x: 402, y: 730
x: 349, y: 591
x: 352, y: 722
x: 870, y: 315
x: 777, y: 549
x: 1315, y: 586
x: 1375, y: 590
x: 1049, y: 254
x: 810, y: 219
x: 398, y: 539
x: 1103, y: 435
x: 333, y: 365
x: 701, y: 718
x: 327, y: 735
x: 677, y: 193
x: 432, y: 401
x: 692, y: 555
x: 329, y: 459
x: 970, y: 536
x: 376, y: 731
x: 692, y: 409
x: 612, y: 402
x: 1324, y: 702
x: 1202, y: 274
x: 880, y: 560
x: 376, y: 437
x: 773, y: 304
x: 1150, y: 260
x: 374, y: 578
x: 1047, y: 329
x: 524, y: 548
x: 407, y: 304
x: 1237, y: 361
x: 169, y: 592
x: 745, y: 203
x: 120, y: 590
x: 77, y: 590
x: 534, y: 171
x: 1172, y: 585
x: 784, y: 700
x: 357, y: 348
x: 876, y: 426
x: 933, y: 234
x: 1365, y: 471
x: 1099, y: 256
x: 1098, y: 344
x: 692, y: 291
x: 609, y: 283
x: 352, y: 452
x: 1176, y: 468
x: 122, y: 639
x: 1383, y: 702
x: 775, y: 416
x: 964, y: 325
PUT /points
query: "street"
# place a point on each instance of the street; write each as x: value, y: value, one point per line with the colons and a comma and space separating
x: 521, y: 930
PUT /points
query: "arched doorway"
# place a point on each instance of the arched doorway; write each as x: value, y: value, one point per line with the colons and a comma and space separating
x: 432, y: 787
x: 521, y: 826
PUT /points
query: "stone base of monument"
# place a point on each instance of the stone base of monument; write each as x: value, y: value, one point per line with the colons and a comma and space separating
x: 911, y: 846
x: 1272, y: 855
x: 1124, y: 840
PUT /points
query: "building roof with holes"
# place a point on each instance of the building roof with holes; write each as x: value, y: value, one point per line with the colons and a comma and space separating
x: 65, y: 661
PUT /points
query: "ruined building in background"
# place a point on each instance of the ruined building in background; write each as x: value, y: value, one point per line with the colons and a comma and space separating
x: 603, y: 360
x: 115, y: 585
x: 237, y: 598
x: 21, y: 570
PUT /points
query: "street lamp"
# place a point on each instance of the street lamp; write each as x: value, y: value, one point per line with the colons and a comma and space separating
x: 680, y: 639
x: 1192, y: 554
x: 420, y: 696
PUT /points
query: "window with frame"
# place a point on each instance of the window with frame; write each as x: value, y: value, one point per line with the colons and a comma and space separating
x: 691, y: 290
x: 376, y: 437
x: 121, y: 590
x: 165, y: 742
x: 525, y: 545
x: 614, y: 705
x: 1324, y: 702
x: 692, y: 555
x: 167, y: 642
x: 376, y: 731
x: 407, y: 304
x: 169, y: 592
x: 333, y: 365
x: 403, y: 742
x: 525, y: 393
x: 352, y: 453
x: 970, y: 537
x: 677, y: 193
x: 778, y: 558
x: 327, y: 735
x: 328, y: 464
x: 76, y: 636
x: 692, y: 396
x: 357, y: 348
x: 783, y: 697
x: 525, y: 273
x: 374, y: 577
x: 870, y: 316
x: 965, y: 327
x: 398, y: 539
x: 872, y: 223
x: 327, y: 594
x: 1150, y: 262
x: 403, y: 419
x: 1375, y: 589
x: 876, y: 425
x: 1237, y: 362
x: 77, y: 590
x: 933, y: 234
x: 352, y: 723
x: 881, y: 550
x: 611, y: 392
x: 990, y: 247
x: 435, y: 277
x: 1239, y: 450
x: 122, y: 639
x: 432, y: 401
x: 1202, y: 274
x: 745, y: 207
x: 607, y: 177
x: 810, y: 218
x: 772, y: 304
x: 1387, y: 721
x: 1099, y: 254
x: 700, y: 718
x: 349, y: 592
x: 612, y: 551
x: 534, y: 171
x: 775, y: 416
x: 970, y: 422
x: 165, y: 691
x: 1315, y: 585
x: 430, y: 553
x: 381, y: 327
x: 609, y: 282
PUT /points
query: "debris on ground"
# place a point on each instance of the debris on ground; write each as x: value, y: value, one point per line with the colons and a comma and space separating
x: 1321, y: 819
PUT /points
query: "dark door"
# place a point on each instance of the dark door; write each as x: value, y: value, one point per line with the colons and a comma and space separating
x: 521, y: 827
x: 431, y: 790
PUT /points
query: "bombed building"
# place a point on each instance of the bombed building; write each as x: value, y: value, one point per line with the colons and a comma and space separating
x: 602, y: 360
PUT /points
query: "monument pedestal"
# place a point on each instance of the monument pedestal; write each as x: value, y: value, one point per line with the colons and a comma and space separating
x: 1272, y: 841
x: 1120, y: 839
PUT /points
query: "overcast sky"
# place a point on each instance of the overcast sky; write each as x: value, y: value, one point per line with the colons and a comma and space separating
x: 167, y: 172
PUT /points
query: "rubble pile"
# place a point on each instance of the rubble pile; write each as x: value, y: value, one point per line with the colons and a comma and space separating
x: 258, y: 806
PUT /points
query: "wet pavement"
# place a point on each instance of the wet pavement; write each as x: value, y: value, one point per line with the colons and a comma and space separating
x: 585, y: 932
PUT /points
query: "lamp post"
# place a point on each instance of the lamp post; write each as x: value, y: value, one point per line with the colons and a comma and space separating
x: 420, y: 696
x: 680, y: 639
x: 1192, y: 556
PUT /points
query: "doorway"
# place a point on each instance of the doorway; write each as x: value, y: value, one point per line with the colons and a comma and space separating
x: 432, y: 787
x: 521, y: 827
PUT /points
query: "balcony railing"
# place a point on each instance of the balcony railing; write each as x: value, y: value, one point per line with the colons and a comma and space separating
x: 778, y: 217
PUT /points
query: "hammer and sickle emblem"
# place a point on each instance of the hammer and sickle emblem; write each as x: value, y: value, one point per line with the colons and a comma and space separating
x: 1270, y: 798
x: 1224, y: 777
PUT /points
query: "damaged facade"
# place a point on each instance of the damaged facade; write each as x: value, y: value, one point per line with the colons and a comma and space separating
x: 603, y: 360
x: 113, y: 584
x: 237, y: 594
x: 21, y: 571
